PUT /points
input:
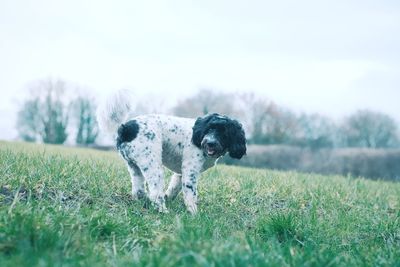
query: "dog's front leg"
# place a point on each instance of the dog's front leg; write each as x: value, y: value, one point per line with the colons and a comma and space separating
x: 189, y: 189
x: 174, y: 186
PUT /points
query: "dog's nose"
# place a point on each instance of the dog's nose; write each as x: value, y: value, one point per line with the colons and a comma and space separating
x: 211, y: 144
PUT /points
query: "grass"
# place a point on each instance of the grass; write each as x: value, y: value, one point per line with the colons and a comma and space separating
x: 71, y: 207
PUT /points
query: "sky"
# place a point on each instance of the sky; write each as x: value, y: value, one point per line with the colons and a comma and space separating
x: 330, y: 57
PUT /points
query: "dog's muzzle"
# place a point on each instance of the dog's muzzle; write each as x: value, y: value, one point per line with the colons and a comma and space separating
x: 211, y: 146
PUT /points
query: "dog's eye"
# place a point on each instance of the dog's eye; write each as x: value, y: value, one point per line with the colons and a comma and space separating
x: 218, y: 126
x: 221, y: 129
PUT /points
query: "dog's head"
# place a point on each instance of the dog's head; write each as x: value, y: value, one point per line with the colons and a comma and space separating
x: 216, y: 135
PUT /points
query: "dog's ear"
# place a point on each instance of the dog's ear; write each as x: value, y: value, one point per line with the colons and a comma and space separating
x: 200, y: 128
x: 237, y: 140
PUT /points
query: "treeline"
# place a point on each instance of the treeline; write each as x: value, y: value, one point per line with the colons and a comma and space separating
x: 52, y: 113
x: 356, y: 162
x: 268, y: 123
x: 55, y: 110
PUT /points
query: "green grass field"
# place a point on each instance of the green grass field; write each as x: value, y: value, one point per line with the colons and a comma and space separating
x: 71, y: 207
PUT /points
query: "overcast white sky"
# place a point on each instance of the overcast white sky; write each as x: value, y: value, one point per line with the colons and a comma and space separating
x: 332, y: 57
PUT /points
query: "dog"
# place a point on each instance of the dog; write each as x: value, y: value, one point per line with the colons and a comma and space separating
x: 185, y: 146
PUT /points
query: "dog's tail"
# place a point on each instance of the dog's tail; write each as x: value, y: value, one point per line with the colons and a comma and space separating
x: 115, y: 111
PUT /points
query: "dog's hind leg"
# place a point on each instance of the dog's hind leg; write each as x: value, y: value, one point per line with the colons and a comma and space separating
x: 153, y: 174
x: 137, y: 179
x: 174, y: 187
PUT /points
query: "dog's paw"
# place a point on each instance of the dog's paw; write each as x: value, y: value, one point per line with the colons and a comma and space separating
x: 163, y: 210
x: 191, y: 206
x: 192, y: 209
x: 140, y: 194
x: 159, y: 204
x: 169, y: 198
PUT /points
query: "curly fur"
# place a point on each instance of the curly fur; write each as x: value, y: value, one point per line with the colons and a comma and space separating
x: 230, y: 132
x: 185, y: 146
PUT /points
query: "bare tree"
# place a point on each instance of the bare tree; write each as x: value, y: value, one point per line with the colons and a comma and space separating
x: 84, y: 113
x: 280, y: 125
x: 253, y: 115
x: 28, y: 121
x: 204, y: 102
x: 44, y: 117
x: 315, y: 131
x: 366, y: 128
x: 266, y: 122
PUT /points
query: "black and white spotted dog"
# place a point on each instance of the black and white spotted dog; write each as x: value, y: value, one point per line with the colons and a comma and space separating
x: 185, y: 146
